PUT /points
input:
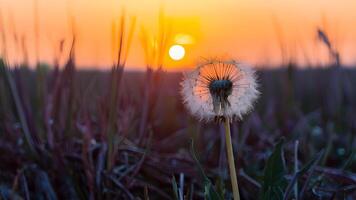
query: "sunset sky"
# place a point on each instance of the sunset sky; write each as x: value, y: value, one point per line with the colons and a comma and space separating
x: 249, y: 30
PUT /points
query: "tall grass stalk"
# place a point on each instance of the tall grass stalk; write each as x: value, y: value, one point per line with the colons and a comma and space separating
x: 123, y: 42
x: 4, y: 68
x: 20, y: 111
x: 114, y: 90
x: 154, y: 49
x: 231, y: 160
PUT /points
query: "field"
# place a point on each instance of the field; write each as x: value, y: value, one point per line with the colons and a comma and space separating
x: 81, y: 134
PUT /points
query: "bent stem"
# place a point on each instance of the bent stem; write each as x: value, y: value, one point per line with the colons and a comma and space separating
x: 230, y: 156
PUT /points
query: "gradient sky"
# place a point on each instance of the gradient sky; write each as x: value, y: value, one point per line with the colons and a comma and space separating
x: 249, y: 30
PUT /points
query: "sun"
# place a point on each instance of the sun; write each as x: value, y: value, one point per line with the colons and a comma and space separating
x: 176, y: 52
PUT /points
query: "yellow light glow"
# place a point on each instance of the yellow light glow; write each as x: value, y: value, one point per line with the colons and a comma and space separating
x: 184, y: 39
x: 177, y: 52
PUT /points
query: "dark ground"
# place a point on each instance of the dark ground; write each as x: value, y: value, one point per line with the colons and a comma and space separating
x: 89, y: 135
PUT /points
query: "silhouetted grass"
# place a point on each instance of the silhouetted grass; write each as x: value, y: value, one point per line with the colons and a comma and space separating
x: 64, y: 152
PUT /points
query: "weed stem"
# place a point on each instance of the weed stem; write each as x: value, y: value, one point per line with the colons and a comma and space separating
x: 230, y: 156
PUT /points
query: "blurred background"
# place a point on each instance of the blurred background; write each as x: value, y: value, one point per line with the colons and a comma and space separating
x: 90, y: 104
x: 263, y: 33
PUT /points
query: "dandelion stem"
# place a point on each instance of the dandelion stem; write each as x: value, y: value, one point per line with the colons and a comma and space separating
x: 230, y: 156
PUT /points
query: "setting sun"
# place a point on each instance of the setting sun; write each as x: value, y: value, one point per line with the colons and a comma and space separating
x: 177, y: 52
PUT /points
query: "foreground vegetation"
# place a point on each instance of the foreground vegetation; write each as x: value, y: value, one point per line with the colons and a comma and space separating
x: 69, y: 134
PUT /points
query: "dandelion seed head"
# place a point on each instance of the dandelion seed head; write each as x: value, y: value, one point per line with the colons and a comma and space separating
x: 220, y: 88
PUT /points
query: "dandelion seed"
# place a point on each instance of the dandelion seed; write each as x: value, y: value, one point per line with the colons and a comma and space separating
x: 220, y: 89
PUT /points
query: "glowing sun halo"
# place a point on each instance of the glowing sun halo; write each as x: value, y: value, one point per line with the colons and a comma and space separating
x: 177, y: 52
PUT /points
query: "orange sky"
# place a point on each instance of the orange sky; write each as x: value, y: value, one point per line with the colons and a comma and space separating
x: 243, y: 29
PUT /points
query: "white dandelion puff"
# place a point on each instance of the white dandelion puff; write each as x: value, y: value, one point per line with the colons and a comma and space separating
x: 220, y: 89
